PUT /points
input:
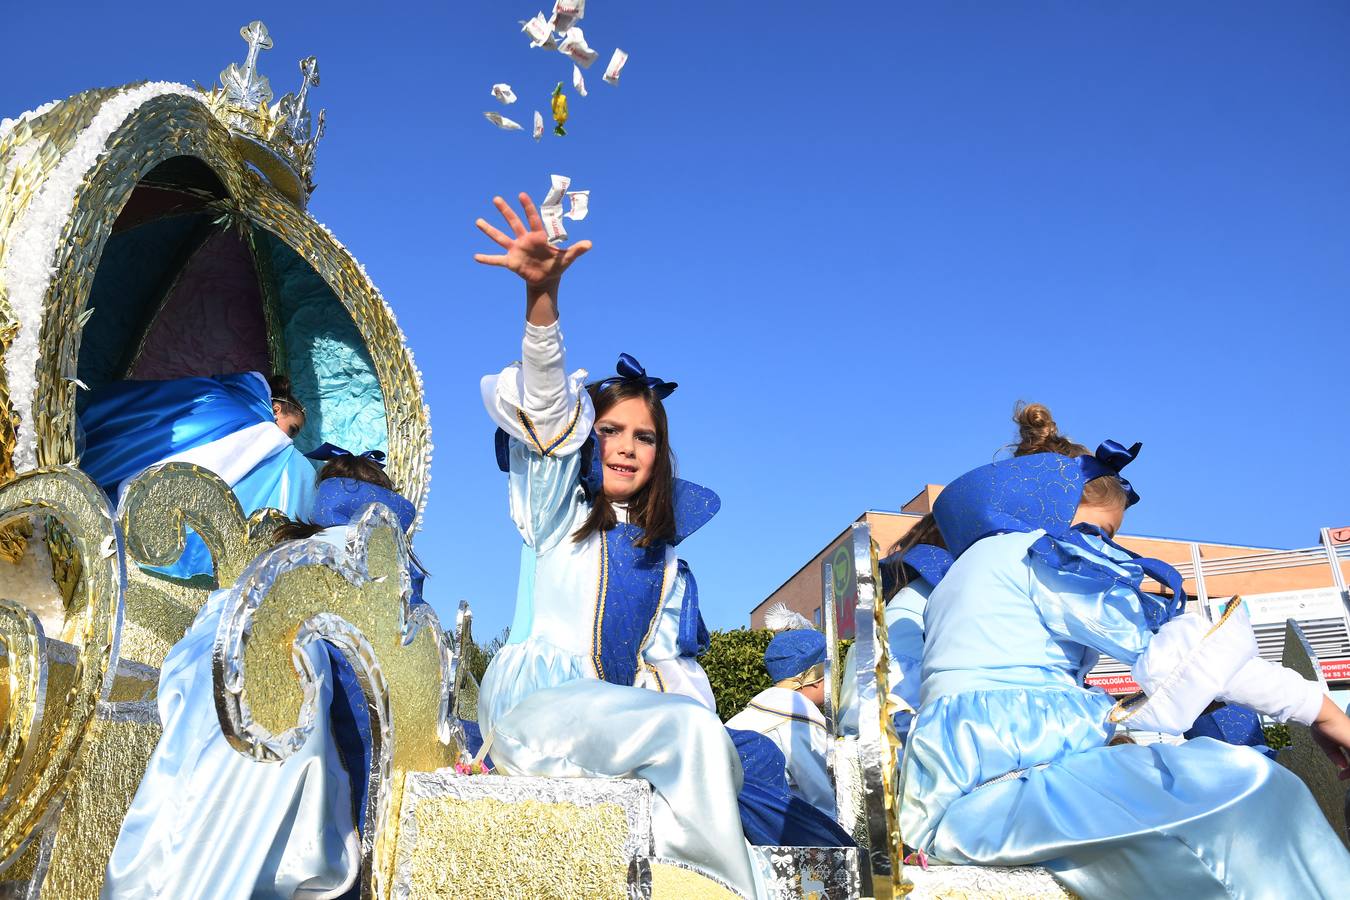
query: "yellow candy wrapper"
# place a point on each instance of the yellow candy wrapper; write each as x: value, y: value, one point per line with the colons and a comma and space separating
x: 559, y: 110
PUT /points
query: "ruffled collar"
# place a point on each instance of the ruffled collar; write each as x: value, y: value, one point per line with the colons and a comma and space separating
x: 1025, y: 493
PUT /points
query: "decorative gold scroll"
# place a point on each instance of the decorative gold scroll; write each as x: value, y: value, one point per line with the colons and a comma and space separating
x: 356, y: 598
x: 48, y: 715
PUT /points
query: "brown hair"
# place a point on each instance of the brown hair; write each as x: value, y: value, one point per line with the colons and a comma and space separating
x: 925, y: 531
x: 283, y: 393
x: 1039, y: 433
x: 653, y: 507
x: 357, y: 468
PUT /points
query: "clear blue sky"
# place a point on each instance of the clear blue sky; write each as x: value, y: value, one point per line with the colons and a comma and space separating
x: 854, y: 233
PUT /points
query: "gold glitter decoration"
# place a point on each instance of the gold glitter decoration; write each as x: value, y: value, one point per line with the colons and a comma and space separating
x: 357, y: 599
x: 678, y: 883
x: 175, y: 125
x: 492, y: 848
x: 115, y: 756
x: 155, y: 508
x: 52, y: 725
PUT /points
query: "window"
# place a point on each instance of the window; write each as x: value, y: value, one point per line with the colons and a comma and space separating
x: 817, y: 616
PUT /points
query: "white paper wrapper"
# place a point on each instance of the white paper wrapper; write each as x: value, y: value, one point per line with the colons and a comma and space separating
x: 504, y: 93
x: 574, y: 46
x: 615, y: 66
x: 540, y: 32
x: 501, y: 121
x: 565, y: 12
x: 551, y: 209
x: 538, y: 125
x: 580, y: 202
x: 578, y: 81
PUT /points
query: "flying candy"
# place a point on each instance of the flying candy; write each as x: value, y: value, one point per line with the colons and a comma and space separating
x: 559, y: 110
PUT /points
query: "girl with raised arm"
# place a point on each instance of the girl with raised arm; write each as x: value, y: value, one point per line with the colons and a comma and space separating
x: 1008, y: 761
x: 599, y: 675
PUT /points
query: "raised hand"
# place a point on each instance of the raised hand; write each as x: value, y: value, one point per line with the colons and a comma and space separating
x: 528, y: 252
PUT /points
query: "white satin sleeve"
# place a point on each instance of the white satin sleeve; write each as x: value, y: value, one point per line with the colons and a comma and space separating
x: 1190, y: 663
x: 1275, y: 691
x: 548, y: 415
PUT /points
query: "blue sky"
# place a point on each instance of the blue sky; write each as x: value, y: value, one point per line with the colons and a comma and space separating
x: 855, y: 234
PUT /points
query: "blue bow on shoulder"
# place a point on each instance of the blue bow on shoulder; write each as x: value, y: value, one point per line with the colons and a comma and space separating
x: 327, y: 451
x: 630, y: 369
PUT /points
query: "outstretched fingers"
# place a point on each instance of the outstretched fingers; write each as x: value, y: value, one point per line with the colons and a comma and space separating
x: 502, y: 240
x: 489, y: 260
x: 531, y: 214
x: 509, y: 214
x: 574, y: 252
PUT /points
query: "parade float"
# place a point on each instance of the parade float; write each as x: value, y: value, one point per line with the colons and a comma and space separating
x: 157, y: 231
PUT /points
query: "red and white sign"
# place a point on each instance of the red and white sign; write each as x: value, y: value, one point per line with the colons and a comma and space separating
x: 1116, y: 684
x: 1336, y: 669
x: 1340, y: 535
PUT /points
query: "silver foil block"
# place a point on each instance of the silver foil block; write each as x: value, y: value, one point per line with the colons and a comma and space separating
x: 807, y: 873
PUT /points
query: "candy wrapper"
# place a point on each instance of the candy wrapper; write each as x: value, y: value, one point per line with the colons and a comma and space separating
x: 504, y: 93
x: 538, y: 125
x: 565, y: 12
x: 580, y: 201
x: 540, y: 32
x: 615, y: 66
x: 578, y: 82
x: 501, y: 122
x: 550, y: 211
x: 559, y: 110
x: 574, y: 45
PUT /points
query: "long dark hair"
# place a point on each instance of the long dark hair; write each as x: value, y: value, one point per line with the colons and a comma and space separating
x: 653, y: 507
x: 925, y: 531
x: 357, y: 468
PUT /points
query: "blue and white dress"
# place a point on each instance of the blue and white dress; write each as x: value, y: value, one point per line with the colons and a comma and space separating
x: 1008, y: 763
x: 224, y: 424
x: 212, y: 823
x: 599, y: 676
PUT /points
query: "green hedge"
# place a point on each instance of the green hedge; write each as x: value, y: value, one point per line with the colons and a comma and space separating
x: 735, y: 666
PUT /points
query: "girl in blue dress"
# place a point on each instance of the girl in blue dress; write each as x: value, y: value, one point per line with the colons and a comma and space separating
x: 1008, y: 763
x: 599, y: 676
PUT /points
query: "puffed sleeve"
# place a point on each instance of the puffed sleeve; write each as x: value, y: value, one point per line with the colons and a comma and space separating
x: 547, y: 416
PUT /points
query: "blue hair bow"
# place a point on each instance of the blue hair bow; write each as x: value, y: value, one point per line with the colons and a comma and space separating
x: 1112, y: 456
x: 630, y: 369
x: 327, y: 451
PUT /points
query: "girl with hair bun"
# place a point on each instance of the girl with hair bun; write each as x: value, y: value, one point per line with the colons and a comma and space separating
x: 1009, y: 762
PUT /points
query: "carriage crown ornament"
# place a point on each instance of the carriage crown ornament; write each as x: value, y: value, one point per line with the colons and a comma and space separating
x: 279, y: 138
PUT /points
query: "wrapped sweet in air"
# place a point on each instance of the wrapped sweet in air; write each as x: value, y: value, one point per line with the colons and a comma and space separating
x: 559, y: 110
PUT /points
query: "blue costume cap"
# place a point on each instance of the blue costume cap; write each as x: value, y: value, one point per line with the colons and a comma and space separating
x: 340, y: 499
x: 793, y: 652
x: 1041, y: 490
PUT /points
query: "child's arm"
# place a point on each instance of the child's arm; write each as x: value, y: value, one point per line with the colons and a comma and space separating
x: 544, y: 410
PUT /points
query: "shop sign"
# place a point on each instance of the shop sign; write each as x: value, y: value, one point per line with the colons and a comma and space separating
x: 1115, y: 684
x: 1279, y: 606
